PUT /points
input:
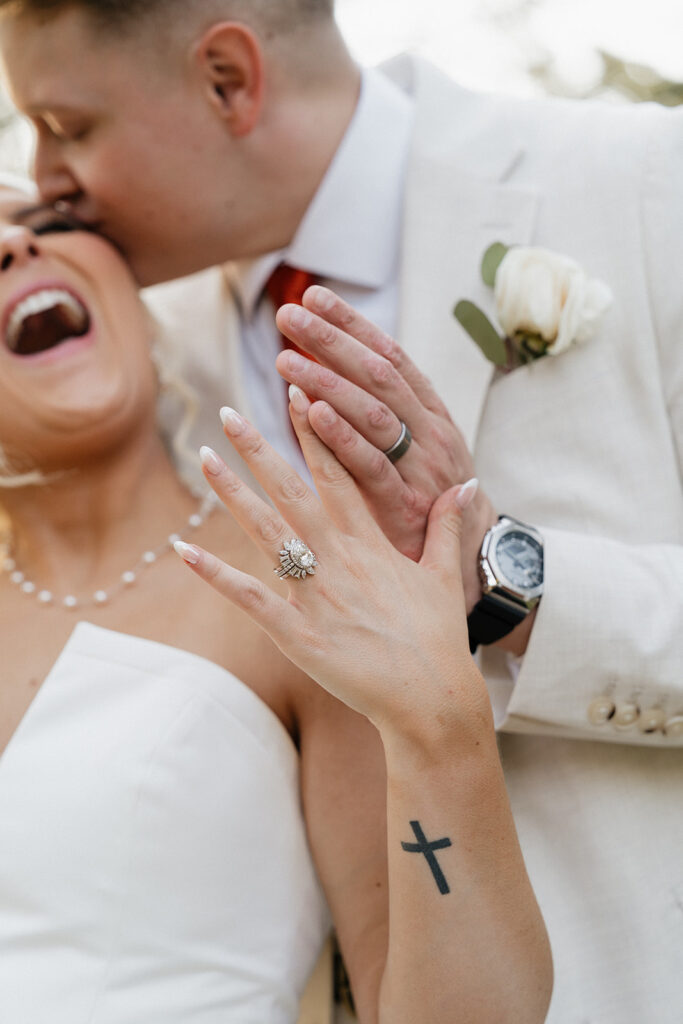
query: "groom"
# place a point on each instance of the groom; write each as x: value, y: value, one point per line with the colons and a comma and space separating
x: 240, y: 132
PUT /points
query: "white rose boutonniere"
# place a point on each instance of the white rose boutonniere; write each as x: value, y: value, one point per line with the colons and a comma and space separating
x: 545, y: 302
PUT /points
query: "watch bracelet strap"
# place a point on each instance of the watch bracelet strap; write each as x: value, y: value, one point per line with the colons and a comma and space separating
x: 490, y: 620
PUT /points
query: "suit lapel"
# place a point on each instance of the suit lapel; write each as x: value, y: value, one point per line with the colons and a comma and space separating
x: 457, y: 203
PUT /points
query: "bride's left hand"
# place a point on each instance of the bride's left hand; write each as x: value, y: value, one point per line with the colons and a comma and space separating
x: 382, y: 633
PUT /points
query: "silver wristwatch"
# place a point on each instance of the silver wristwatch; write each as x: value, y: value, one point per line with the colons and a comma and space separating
x: 511, y: 572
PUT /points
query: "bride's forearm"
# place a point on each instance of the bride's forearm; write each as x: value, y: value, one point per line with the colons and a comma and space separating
x: 467, y: 941
x: 387, y: 637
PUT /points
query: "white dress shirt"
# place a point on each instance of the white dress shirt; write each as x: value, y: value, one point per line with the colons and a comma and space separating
x: 350, y: 237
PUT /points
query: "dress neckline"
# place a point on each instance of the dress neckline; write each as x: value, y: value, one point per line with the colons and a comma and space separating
x: 145, y: 655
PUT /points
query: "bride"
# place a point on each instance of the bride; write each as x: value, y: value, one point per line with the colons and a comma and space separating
x: 193, y: 789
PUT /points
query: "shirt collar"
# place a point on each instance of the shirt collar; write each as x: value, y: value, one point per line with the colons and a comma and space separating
x: 351, y: 231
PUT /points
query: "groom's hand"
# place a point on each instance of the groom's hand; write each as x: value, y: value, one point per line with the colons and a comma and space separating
x: 363, y: 386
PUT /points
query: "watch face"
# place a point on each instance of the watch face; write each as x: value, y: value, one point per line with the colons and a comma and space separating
x: 520, y: 560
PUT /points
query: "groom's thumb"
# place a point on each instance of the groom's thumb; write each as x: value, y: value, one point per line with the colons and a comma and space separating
x: 444, y: 529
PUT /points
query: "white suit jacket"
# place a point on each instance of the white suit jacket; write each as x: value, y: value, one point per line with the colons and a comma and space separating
x: 587, y: 446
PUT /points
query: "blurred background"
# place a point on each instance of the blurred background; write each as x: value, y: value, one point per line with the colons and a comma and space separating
x: 613, y: 49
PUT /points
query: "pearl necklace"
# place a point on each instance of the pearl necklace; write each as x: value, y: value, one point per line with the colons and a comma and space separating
x: 127, y: 579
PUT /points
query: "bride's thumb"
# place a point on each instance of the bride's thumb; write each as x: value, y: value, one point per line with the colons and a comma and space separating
x: 444, y: 529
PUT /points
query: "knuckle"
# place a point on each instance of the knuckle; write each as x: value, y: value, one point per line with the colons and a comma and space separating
x: 230, y: 483
x: 332, y: 473
x: 327, y: 379
x: 416, y: 506
x: 380, y: 371
x: 347, y: 439
x: 378, y: 467
x: 255, y: 446
x: 326, y: 334
x: 380, y: 416
x: 253, y: 593
x: 346, y: 316
x: 292, y: 488
x: 393, y: 352
x: 268, y: 528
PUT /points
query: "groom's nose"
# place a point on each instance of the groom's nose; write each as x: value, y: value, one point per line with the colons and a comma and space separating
x: 52, y: 174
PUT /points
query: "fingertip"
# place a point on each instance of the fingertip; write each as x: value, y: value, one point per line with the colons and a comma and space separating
x: 282, y: 363
x: 282, y: 316
x: 324, y: 413
x: 319, y: 299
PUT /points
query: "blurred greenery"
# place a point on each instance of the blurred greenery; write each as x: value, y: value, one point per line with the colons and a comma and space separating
x: 635, y: 82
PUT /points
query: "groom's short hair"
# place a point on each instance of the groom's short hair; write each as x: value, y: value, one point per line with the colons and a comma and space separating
x: 121, y: 15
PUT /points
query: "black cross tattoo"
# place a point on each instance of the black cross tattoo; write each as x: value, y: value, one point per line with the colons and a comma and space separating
x: 422, y: 846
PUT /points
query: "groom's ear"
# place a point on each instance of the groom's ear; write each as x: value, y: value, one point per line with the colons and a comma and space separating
x: 230, y: 61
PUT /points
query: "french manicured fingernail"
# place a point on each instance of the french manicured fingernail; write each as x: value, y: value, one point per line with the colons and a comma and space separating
x: 300, y: 317
x: 466, y: 494
x: 231, y: 420
x: 298, y: 398
x: 188, y: 552
x: 210, y: 461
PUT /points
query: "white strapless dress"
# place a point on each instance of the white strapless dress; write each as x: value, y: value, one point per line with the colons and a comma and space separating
x: 154, y: 867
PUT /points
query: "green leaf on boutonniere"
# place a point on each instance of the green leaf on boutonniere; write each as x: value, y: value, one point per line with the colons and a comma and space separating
x: 482, y: 331
x: 492, y: 259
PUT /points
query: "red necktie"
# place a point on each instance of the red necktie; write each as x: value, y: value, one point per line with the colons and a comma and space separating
x: 287, y: 284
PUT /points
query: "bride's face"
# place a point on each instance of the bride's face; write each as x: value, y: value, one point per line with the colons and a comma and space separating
x: 74, y: 353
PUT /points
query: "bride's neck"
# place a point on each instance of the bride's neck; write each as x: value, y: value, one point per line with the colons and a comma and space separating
x: 86, y: 523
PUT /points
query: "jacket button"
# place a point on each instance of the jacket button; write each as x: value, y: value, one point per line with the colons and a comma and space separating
x: 674, y: 726
x: 652, y: 720
x: 626, y: 715
x: 600, y: 710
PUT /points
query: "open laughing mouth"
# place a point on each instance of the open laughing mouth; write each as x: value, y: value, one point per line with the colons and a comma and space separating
x: 45, y: 319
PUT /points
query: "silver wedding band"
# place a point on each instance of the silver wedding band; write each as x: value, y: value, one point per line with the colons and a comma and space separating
x: 401, y: 445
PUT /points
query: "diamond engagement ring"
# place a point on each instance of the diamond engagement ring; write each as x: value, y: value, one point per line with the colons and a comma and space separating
x: 401, y: 445
x: 297, y: 560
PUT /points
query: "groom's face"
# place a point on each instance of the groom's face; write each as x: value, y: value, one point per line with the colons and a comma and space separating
x: 128, y: 142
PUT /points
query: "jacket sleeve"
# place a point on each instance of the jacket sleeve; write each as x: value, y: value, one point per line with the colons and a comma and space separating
x: 605, y: 659
x: 621, y: 653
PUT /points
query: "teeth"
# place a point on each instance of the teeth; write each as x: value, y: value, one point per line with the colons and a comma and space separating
x: 38, y: 302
